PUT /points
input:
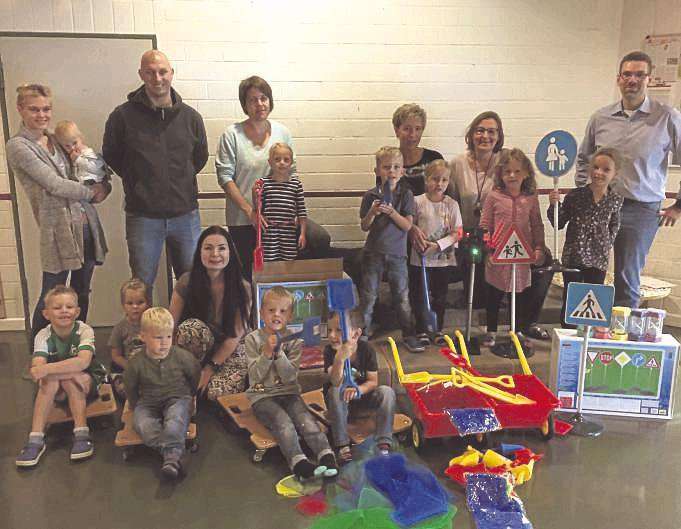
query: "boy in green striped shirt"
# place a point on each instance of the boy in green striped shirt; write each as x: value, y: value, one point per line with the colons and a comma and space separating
x: 64, y: 370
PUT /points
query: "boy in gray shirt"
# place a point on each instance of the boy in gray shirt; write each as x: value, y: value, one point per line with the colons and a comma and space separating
x: 274, y: 391
x: 388, y: 220
x: 160, y: 384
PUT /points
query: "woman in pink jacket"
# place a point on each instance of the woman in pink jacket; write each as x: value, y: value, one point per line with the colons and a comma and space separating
x: 513, y: 202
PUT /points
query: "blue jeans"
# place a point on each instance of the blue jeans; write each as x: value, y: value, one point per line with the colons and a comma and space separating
x: 382, y: 399
x: 286, y: 416
x: 373, y: 265
x: 164, y: 427
x: 639, y: 224
x: 146, y: 235
x: 80, y: 282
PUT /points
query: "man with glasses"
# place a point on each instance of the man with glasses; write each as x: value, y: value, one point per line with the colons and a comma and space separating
x: 645, y: 132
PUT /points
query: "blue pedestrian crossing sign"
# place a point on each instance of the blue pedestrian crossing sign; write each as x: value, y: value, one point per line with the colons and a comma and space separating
x: 589, y: 304
x: 556, y: 153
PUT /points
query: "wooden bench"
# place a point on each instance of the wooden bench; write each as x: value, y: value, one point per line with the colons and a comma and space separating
x: 127, y: 438
x: 104, y: 404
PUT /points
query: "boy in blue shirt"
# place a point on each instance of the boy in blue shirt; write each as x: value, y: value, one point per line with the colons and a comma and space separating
x: 385, y: 249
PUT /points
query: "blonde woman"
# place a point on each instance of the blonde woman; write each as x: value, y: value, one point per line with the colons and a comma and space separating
x: 71, y: 236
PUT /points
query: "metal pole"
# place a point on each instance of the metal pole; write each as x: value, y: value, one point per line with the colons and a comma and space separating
x: 513, y: 297
x: 582, y: 369
x: 471, y: 282
x: 555, y: 221
x: 581, y: 426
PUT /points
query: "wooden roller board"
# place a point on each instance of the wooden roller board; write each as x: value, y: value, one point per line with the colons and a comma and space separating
x: 238, y: 407
x: 360, y: 427
x: 105, y: 404
x: 128, y: 438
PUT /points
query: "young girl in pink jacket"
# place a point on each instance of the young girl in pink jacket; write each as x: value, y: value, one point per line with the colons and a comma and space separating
x: 513, y: 202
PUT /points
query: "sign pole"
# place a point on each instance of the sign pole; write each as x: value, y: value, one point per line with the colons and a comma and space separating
x: 581, y: 426
x: 513, y: 297
x: 471, y: 282
x: 555, y: 221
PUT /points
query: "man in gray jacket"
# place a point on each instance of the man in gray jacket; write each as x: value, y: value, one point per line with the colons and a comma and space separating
x: 157, y: 144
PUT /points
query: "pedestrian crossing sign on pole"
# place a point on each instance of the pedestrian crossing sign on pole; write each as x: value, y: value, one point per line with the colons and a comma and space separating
x: 589, y: 304
x: 512, y: 248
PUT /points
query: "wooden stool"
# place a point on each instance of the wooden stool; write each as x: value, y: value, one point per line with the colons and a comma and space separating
x: 127, y: 438
x: 104, y: 404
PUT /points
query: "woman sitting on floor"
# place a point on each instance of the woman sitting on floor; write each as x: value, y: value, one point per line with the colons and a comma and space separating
x: 212, y: 302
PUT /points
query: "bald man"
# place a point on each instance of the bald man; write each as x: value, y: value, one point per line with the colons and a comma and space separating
x: 157, y: 144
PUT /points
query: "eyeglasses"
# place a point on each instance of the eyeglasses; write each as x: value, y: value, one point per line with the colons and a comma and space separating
x: 479, y: 131
x: 630, y: 75
x: 36, y: 110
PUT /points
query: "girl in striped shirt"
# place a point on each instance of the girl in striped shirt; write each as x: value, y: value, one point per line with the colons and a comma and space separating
x: 283, y: 208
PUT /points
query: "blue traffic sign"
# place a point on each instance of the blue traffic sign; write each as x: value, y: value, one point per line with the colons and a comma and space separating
x: 638, y: 360
x: 556, y: 153
x: 589, y: 304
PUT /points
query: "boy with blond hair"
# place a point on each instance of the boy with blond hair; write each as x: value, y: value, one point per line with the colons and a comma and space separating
x: 274, y: 391
x: 385, y: 249
x: 160, y: 383
x: 63, y: 367
x: 90, y: 167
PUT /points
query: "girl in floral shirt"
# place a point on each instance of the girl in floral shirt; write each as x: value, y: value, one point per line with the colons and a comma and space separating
x: 513, y: 202
x: 592, y: 214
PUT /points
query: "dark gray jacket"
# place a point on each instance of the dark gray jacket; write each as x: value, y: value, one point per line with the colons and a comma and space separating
x: 157, y: 152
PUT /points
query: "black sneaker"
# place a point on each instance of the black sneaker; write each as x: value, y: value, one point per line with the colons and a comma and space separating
x: 423, y: 339
x: 171, y: 469
x: 303, y: 469
x: 331, y: 467
x: 413, y: 345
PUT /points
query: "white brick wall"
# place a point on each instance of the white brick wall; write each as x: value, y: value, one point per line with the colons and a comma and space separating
x: 340, y: 67
x: 656, y: 17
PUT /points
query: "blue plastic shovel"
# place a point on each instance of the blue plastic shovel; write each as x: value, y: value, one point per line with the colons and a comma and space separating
x: 387, y: 193
x: 430, y: 318
x: 341, y: 296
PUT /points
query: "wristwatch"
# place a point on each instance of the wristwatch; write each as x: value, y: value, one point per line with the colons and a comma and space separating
x: 214, y: 366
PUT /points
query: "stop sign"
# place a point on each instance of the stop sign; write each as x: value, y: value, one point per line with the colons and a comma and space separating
x: 605, y: 357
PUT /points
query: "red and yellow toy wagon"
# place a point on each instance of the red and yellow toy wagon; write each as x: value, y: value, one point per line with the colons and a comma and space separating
x: 466, y: 402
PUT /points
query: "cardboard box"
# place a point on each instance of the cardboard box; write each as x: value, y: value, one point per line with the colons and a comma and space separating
x: 306, y: 280
x: 623, y: 378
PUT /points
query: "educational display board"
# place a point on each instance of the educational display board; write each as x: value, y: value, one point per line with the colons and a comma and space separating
x: 634, y: 379
x: 309, y: 301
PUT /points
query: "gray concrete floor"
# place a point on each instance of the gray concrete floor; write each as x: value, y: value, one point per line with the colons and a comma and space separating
x: 626, y: 479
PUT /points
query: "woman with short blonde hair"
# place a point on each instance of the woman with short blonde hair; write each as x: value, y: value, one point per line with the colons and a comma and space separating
x: 71, y: 236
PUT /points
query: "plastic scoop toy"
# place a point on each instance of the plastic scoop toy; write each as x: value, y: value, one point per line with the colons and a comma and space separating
x: 341, y: 298
x: 387, y: 193
x: 258, y: 252
x: 310, y: 333
x: 429, y: 316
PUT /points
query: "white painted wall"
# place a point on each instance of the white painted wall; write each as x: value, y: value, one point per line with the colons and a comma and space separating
x: 340, y: 68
